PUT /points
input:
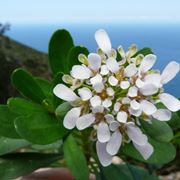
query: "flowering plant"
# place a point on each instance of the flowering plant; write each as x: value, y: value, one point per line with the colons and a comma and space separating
x: 99, y: 108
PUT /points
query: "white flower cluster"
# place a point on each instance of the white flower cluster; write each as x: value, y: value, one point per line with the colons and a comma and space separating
x: 115, y: 88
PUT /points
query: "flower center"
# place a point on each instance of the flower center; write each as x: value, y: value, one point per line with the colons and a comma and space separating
x: 99, y: 117
x: 103, y: 95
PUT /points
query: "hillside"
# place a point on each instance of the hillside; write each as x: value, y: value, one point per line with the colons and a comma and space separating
x: 14, y: 54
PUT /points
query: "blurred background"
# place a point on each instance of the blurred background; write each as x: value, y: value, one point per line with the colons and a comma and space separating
x: 154, y: 24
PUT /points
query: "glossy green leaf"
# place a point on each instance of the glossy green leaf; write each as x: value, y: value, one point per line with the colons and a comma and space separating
x: 126, y: 172
x: 7, y: 118
x: 27, y: 85
x: 24, y: 107
x: 158, y: 130
x: 54, y: 147
x: 72, y: 58
x: 62, y: 109
x: 75, y: 159
x: 20, y: 164
x: 144, y: 51
x: 60, y: 44
x: 163, y: 152
x: 115, y: 173
x: 40, y: 128
x: 8, y: 145
x: 174, y: 123
x: 46, y: 86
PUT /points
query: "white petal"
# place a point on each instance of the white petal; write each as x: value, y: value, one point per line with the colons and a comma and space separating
x: 110, y: 91
x: 114, y: 143
x: 147, y: 63
x: 94, y: 61
x: 126, y: 100
x: 170, y: 101
x: 96, y: 79
x: 103, y: 40
x: 146, y: 150
x: 71, y: 117
x: 80, y: 72
x: 95, y: 101
x: 153, y: 79
x: 104, y: 158
x: 148, y: 107
x: 112, y: 81
x: 112, y: 65
x: 136, y: 135
x: 149, y: 89
x: 85, y: 121
x: 170, y: 72
x: 85, y: 93
x: 117, y: 106
x: 109, y: 118
x: 124, y: 84
x: 103, y: 133
x: 107, y: 103
x: 65, y: 93
x: 104, y: 70
x: 98, y: 87
x: 132, y: 91
x: 114, y: 125
x: 135, y: 105
x: 162, y: 115
x: 139, y: 83
x: 134, y: 112
x: 122, y: 116
x: 130, y: 70
x: 98, y: 109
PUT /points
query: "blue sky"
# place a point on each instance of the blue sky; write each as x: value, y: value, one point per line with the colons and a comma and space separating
x: 27, y: 11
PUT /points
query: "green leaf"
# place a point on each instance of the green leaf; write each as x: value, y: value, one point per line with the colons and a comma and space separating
x: 126, y: 172
x: 60, y: 44
x: 175, y: 121
x: 27, y: 85
x: 75, y: 159
x: 62, y: 109
x: 163, y: 152
x: 144, y: 51
x: 40, y: 128
x: 158, y: 130
x: 24, y: 107
x: 20, y: 164
x: 46, y: 86
x: 54, y: 147
x: 113, y: 172
x: 7, y: 118
x: 8, y: 145
x: 72, y: 58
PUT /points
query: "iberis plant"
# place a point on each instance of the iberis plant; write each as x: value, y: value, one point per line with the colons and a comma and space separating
x: 112, y: 91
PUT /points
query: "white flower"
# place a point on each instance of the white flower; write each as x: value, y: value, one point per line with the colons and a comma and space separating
x: 109, y: 96
x: 85, y: 121
x: 170, y: 72
x: 94, y: 61
x: 65, y: 93
x: 103, y: 133
x: 147, y: 63
x: 80, y: 72
x: 103, y: 41
x: 170, y: 101
x: 71, y: 117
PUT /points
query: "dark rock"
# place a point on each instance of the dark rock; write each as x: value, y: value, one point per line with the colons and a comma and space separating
x: 13, y: 55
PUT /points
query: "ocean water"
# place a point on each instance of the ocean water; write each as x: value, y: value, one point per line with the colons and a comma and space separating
x: 164, y: 39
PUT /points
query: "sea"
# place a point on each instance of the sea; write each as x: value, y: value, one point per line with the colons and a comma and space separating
x: 163, y: 38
